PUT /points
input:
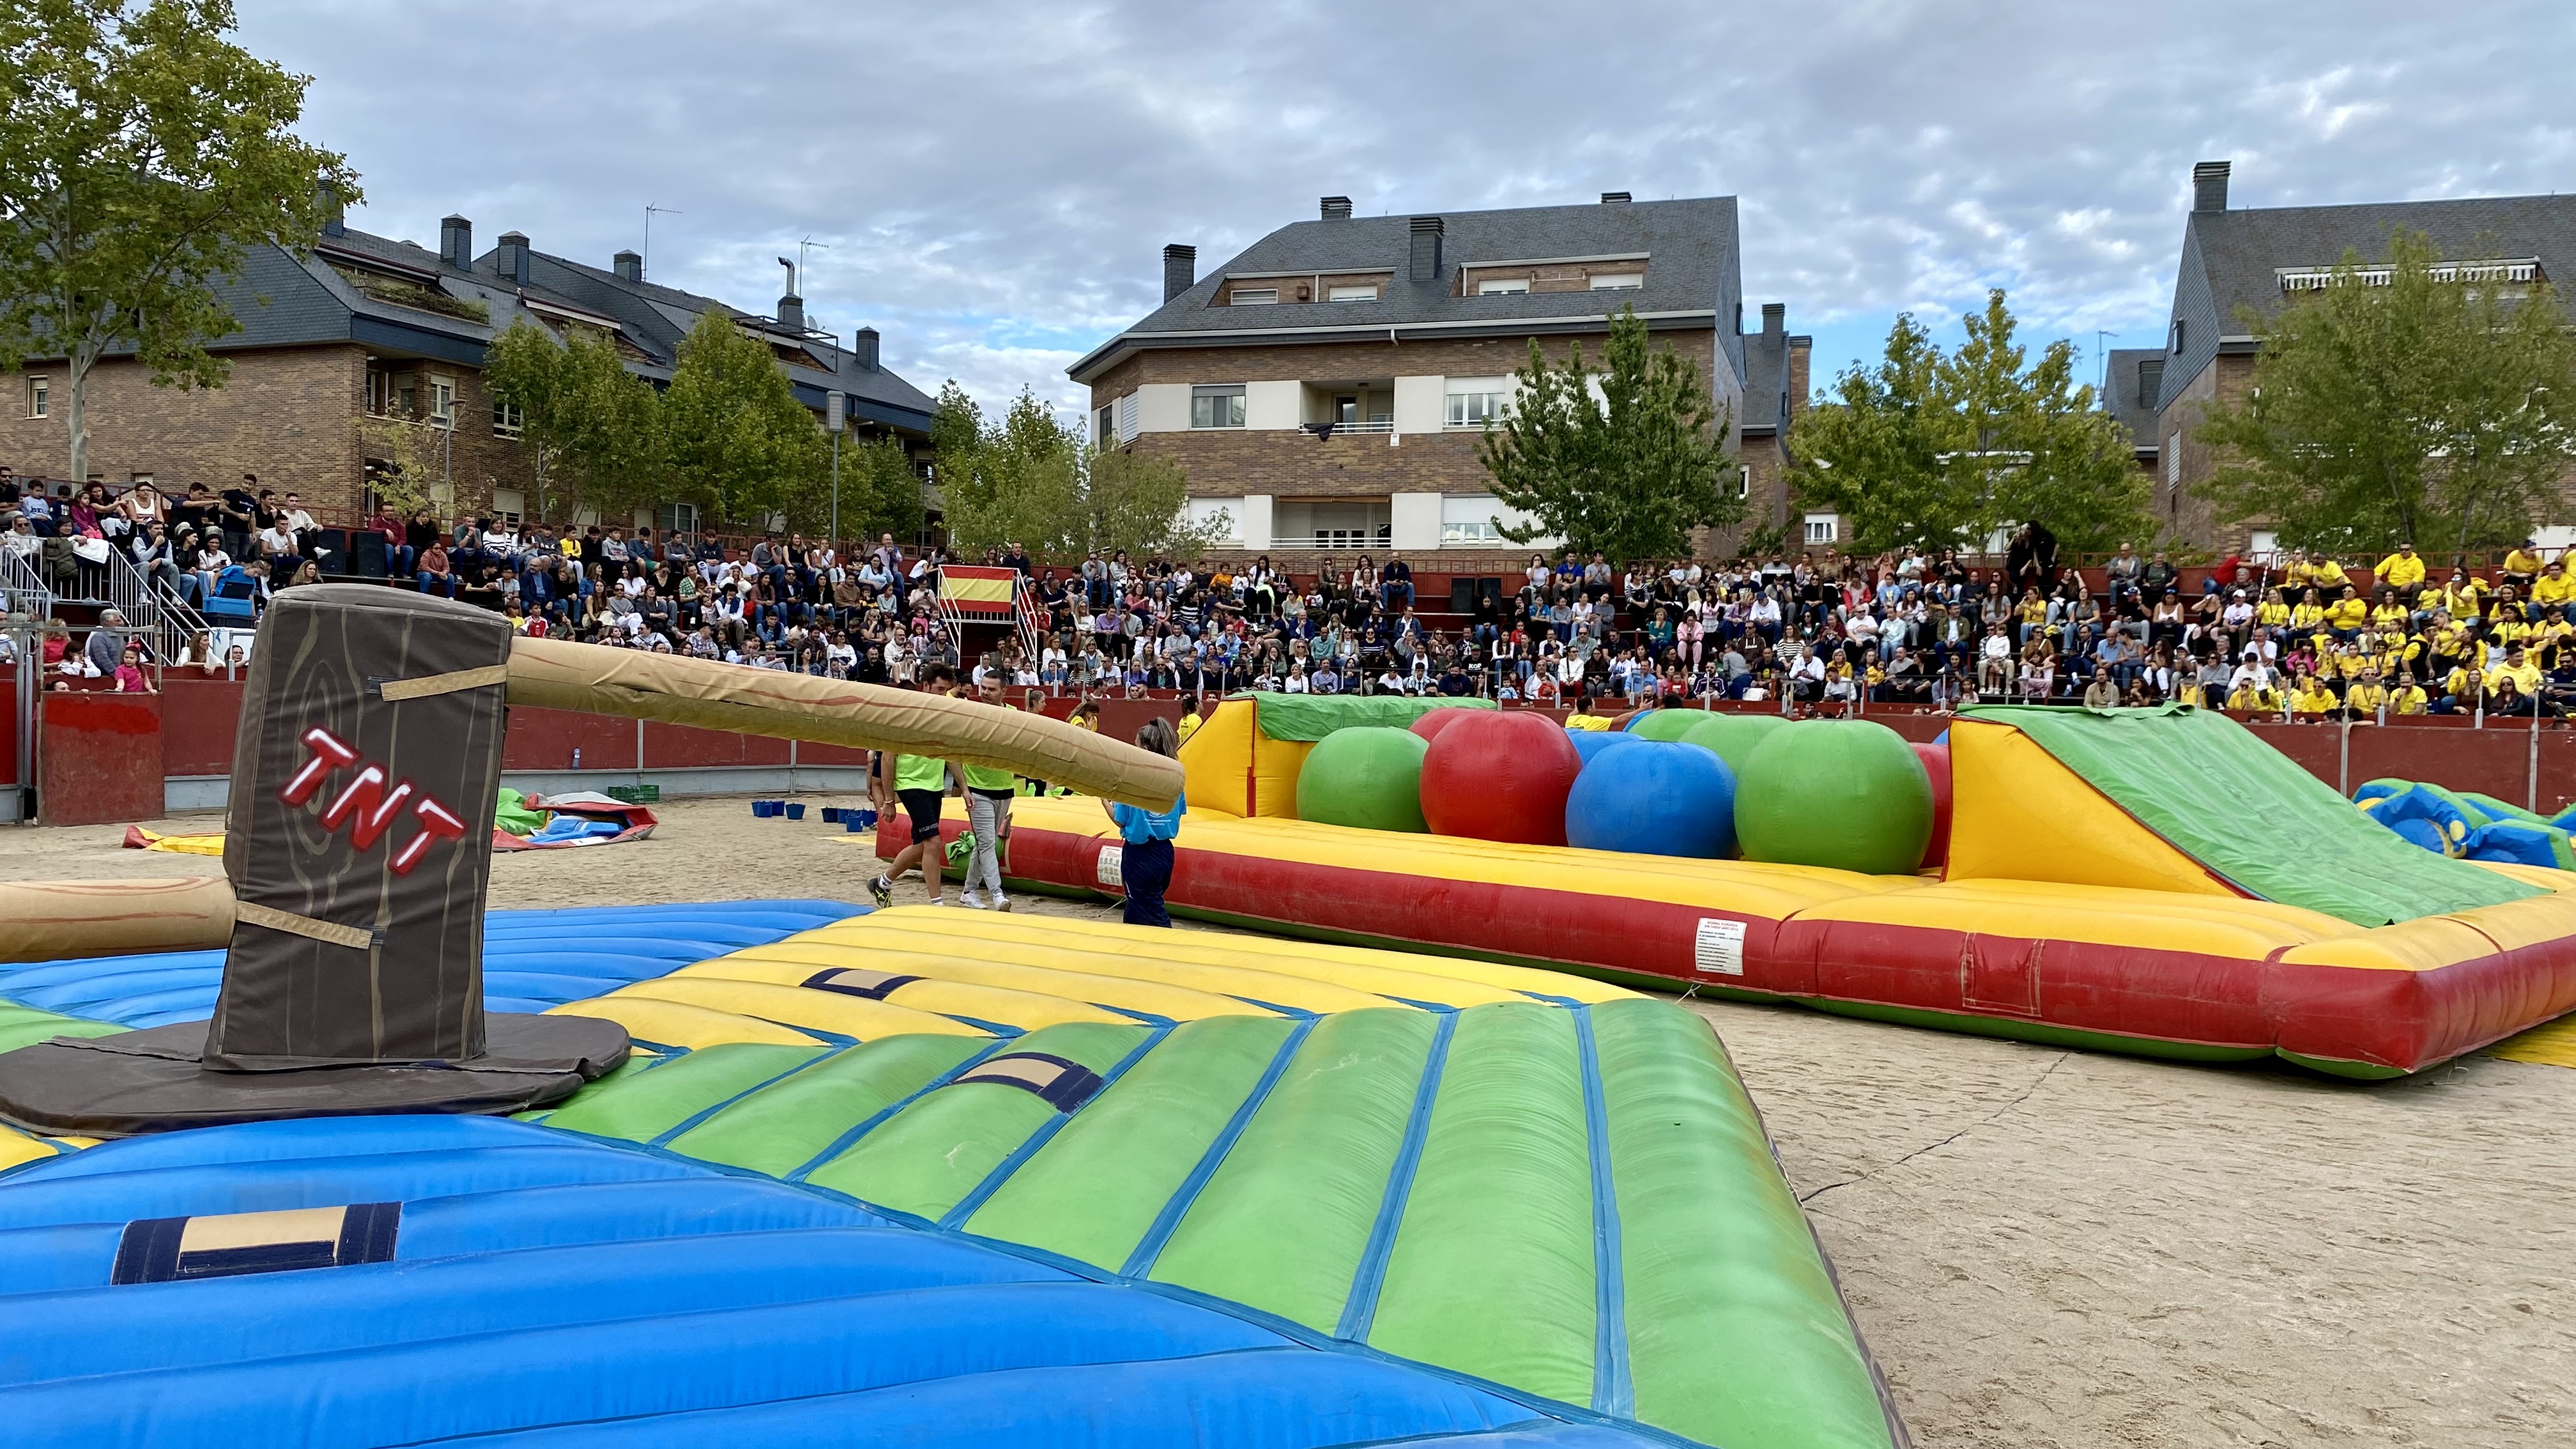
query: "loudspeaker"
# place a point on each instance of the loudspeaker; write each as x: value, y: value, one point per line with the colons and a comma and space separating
x: 367, y: 554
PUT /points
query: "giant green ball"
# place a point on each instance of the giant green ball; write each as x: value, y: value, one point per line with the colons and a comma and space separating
x: 1843, y: 794
x: 1366, y: 776
x: 1732, y: 737
x: 1665, y: 724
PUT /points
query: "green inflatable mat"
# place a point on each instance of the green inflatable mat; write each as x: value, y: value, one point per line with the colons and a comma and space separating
x: 2242, y: 809
x: 1313, y: 716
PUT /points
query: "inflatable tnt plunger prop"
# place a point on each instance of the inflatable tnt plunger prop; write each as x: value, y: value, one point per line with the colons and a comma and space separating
x: 358, y: 848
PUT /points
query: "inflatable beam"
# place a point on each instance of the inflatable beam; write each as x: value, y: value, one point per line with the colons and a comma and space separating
x: 671, y: 689
x: 56, y: 920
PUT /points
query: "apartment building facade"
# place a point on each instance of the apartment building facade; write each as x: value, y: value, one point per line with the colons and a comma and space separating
x: 1326, y: 389
x: 365, y: 339
x: 2257, y: 259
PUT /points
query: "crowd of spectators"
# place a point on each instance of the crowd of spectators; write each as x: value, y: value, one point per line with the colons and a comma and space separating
x: 2286, y: 634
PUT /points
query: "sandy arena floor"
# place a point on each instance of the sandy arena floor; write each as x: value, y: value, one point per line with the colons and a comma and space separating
x: 2044, y: 1248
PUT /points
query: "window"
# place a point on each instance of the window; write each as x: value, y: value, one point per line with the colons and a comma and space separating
x: 1618, y: 281
x: 2263, y: 545
x: 676, y: 518
x: 507, y: 420
x: 1511, y: 288
x: 2175, y: 345
x: 1253, y: 297
x: 1822, y: 528
x: 1346, y: 410
x: 1743, y: 482
x: 1104, y: 425
x: 1216, y: 407
x: 1476, y: 401
x: 442, y: 402
x: 1127, y: 423
x: 380, y: 392
x: 2173, y: 461
x: 1363, y: 292
x: 40, y: 397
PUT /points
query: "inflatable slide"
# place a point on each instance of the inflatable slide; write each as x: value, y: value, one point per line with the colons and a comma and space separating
x: 2150, y: 881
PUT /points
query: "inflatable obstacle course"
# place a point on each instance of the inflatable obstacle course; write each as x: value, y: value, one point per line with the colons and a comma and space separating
x: 2150, y: 881
x: 1373, y: 1161
x: 2468, y: 825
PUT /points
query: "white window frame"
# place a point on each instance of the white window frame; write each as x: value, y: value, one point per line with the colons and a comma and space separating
x: 1473, y: 410
x: 1503, y: 287
x: 442, y: 402
x: 1207, y: 413
x: 1253, y: 297
x: 673, y: 518
x: 1351, y: 292
x: 1823, y: 529
x: 508, y: 421
x: 1743, y: 481
x: 1619, y: 281
x: 40, y: 395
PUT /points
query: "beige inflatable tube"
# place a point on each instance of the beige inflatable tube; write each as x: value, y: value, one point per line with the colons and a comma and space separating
x: 675, y: 689
x: 65, y: 919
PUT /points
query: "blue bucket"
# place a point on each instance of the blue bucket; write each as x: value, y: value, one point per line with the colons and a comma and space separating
x: 759, y: 809
x: 831, y: 814
x: 796, y: 810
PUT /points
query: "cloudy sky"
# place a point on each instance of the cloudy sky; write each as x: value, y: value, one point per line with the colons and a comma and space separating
x: 991, y: 185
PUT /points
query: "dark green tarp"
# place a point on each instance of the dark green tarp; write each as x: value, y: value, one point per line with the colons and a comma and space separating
x: 1313, y: 716
x: 2254, y: 818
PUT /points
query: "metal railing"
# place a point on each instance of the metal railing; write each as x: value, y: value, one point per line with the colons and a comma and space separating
x: 130, y: 592
x: 22, y: 589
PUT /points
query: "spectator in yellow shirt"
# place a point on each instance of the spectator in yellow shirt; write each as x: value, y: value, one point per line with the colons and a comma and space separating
x: 2364, y: 698
x: 1190, y: 720
x: 2390, y: 612
x: 2402, y: 571
x: 2553, y: 591
x: 2408, y: 697
x: 2464, y: 596
x: 2310, y: 697
x: 2347, y: 613
x: 2274, y: 611
x: 2253, y: 697
x: 2518, y: 668
x: 2507, y: 604
x: 2309, y: 616
x: 2328, y: 576
x: 2522, y: 564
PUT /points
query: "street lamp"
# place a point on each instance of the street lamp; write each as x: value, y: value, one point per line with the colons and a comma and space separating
x: 836, y: 419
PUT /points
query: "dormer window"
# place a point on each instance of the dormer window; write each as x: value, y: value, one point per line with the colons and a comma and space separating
x: 1505, y: 287
x: 1618, y: 281
x: 1363, y: 292
x: 1253, y: 297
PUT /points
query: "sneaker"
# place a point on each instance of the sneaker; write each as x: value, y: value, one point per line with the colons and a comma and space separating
x: 1001, y: 903
x: 939, y: 900
x: 881, y: 891
x: 972, y: 901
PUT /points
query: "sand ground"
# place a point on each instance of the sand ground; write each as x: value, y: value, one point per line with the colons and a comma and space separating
x: 2044, y: 1248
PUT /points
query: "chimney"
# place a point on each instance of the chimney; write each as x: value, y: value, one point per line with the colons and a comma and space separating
x: 334, y: 211
x: 1426, y: 249
x: 1337, y: 208
x: 514, y: 256
x: 629, y: 266
x: 456, y: 243
x: 1180, y: 269
x: 2209, y: 186
x: 863, y: 348
x: 1775, y: 318
x: 791, y: 312
x: 1615, y: 198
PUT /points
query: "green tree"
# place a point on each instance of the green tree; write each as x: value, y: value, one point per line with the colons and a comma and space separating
x: 2407, y: 401
x: 880, y: 490
x: 593, y: 429
x: 142, y: 155
x: 1626, y: 461
x: 1931, y: 450
x: 739, y: 445
x: 1032, y: 480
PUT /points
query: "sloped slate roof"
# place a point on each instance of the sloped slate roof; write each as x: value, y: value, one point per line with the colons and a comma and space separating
x: 2122, y: 397
x: 1694, y: 267
x: 2230, y: 257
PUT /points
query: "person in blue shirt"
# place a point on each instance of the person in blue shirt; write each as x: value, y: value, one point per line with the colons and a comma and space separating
x: 1145, y: 862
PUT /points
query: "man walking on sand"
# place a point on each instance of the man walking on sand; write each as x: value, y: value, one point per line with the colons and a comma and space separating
x: 921, y: 783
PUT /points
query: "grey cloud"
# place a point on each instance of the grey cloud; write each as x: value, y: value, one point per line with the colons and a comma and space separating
x: 995, y: 182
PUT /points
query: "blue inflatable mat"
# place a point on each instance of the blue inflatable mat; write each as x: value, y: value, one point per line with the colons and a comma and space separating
x: 524, y: 1287
x: 532, y: 960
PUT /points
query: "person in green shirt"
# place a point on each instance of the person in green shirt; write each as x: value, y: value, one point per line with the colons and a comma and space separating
x: 988, y: 814
x: 921, y: 783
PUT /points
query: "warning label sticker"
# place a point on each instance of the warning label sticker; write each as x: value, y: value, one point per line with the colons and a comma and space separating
x: 1719, y: 949
x: 1113, y: 861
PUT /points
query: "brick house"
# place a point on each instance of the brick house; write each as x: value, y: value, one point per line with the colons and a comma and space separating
x: 2254, y: 259
x: 364, y: 336
x: 1326, y: 388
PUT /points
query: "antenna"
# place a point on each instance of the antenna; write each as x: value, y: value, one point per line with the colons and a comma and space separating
x: 808, y: 244
x: 649, y: 210
x: 2102, y: 357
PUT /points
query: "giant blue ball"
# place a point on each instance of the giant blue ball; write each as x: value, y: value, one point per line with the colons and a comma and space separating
x: 1654, y: 797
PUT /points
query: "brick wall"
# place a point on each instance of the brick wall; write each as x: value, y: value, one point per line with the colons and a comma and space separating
x: 2182, y: 513
x: 1479, y: 357
x: 286, y: 415
x: 289, y: 415
x: 1227, y: 463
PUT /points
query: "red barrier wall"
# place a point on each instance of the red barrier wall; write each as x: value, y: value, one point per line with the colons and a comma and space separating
x: 101, y: 758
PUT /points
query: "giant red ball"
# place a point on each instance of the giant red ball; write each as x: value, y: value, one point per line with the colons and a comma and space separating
x: 1431, y: 724
x: 1500, y: 775
x: 1936, y: 763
